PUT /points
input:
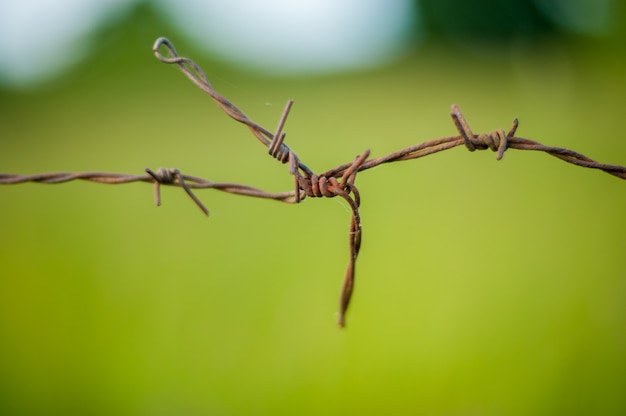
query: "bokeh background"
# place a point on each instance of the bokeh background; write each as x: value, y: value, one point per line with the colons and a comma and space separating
x: 483, y: 287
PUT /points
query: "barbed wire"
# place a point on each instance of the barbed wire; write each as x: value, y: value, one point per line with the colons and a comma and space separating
x: 336, y: 182
x: 162, y: 176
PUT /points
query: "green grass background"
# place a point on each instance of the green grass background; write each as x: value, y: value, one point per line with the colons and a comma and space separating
x: 483, y: 287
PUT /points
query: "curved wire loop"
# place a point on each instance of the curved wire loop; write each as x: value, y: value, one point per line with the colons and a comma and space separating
x: 191, y: 70
x: 316, y: 186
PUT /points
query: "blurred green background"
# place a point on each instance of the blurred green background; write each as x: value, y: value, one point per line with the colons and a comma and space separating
x: 483, y: 287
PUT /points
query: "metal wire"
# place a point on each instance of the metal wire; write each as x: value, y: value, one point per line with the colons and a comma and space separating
x: 169, y: 177
x: 336, y: 182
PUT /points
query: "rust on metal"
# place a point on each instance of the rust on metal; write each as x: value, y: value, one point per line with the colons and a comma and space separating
x: 336, y: 182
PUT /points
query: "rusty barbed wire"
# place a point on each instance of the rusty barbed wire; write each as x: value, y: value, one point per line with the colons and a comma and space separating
x: 336, y: 182
x: 169, y: 177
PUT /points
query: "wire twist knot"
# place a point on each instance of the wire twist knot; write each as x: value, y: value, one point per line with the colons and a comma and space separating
x: 279, y: 150
x: 319, y: 186
x: 165, y: 176
x: 497, y: 141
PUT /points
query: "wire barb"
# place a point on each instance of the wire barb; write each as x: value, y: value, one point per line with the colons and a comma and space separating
x: 193, y: 71
x: 168, y: 177
x: 276, y: 148
x: 496, y: 141
x: 338, y: 181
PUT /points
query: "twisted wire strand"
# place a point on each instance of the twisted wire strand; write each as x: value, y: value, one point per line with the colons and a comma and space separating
x: 193, y: 71
x: 167, y: 177
x: 322, y: 186
x: 498, y: 141
x: 336, y: 182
